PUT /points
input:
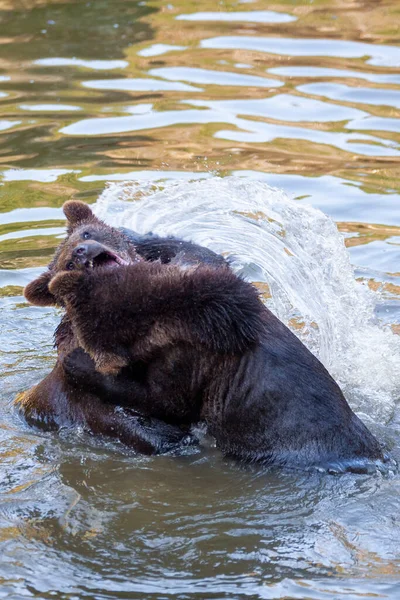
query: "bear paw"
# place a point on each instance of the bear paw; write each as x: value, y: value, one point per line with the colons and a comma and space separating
x: 65, y: 284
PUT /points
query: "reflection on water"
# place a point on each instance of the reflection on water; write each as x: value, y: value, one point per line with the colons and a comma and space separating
x: 332, y: 73
x: 302, y: 96
x: 360, y: 95
x: 385, y: 56
x: 209, y: 77
x: 98, y: 65
x: 254, y: 16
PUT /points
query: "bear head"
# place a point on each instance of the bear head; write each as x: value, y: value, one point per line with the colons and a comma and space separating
x: 90, y: 244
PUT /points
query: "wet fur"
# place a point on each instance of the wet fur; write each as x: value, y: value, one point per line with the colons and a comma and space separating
x: 63, y: 400
x: 263, y: 395
x: 158, y: 306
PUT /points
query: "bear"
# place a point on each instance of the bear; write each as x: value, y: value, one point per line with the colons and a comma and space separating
x: 204, y: 307
x: 60, y: 400
x: 183, y: 344
x: 169, y: 249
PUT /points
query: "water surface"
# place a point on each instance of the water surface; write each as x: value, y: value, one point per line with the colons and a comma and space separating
x: 303, y: 96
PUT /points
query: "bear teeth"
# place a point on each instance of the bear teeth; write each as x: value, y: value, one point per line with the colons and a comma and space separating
x: 121, y: 261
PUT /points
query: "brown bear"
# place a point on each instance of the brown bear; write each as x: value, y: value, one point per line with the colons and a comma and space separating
x: 62, y: 401
x: 197, y: 344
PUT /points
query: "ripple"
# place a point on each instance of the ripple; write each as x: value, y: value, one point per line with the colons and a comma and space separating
x: 328, y: 72
x: 255, y: 16
x: 16, y: 235
x: 330, y: 589
x: 29, y: 215
x: 252, y: 131
x: 43, y: 175
x: 375, y: 124
x: 4, y: 125
x: 379, y: 54
x: 18, y: 278
x: 50, y: 107
x: 352, y: 143
x: 97, y: 65
x: 335, y: 91
x: 139, y: 85
x: 207, y: 76
x: 285, y: 107
x: 381, y: 255
x: 151, y: 120
x: 159, y: 49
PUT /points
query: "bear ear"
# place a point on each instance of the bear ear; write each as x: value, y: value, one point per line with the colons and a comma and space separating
x: 37, y: 292
x: 77, y: 212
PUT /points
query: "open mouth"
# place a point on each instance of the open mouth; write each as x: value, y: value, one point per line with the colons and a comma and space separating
x: 106, y: 258
x: 93, y: 255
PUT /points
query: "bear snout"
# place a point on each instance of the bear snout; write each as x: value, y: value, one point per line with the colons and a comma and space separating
x: 80, y: 250
x: 88, y: 250
x: 94, y: 254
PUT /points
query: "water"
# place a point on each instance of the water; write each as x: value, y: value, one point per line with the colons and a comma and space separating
x: 302, y: 96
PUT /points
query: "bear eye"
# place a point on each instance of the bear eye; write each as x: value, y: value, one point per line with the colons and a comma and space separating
x: 86, y: 235
x: 70, y: 266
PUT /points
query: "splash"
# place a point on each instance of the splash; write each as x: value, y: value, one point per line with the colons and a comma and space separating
x: 297, y: 258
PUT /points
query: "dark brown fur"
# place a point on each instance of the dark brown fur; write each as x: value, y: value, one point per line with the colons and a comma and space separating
x: 148, y: 306
x: 59, y: 400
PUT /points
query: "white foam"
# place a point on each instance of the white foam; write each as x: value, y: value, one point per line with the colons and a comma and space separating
x: 293, y: 248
